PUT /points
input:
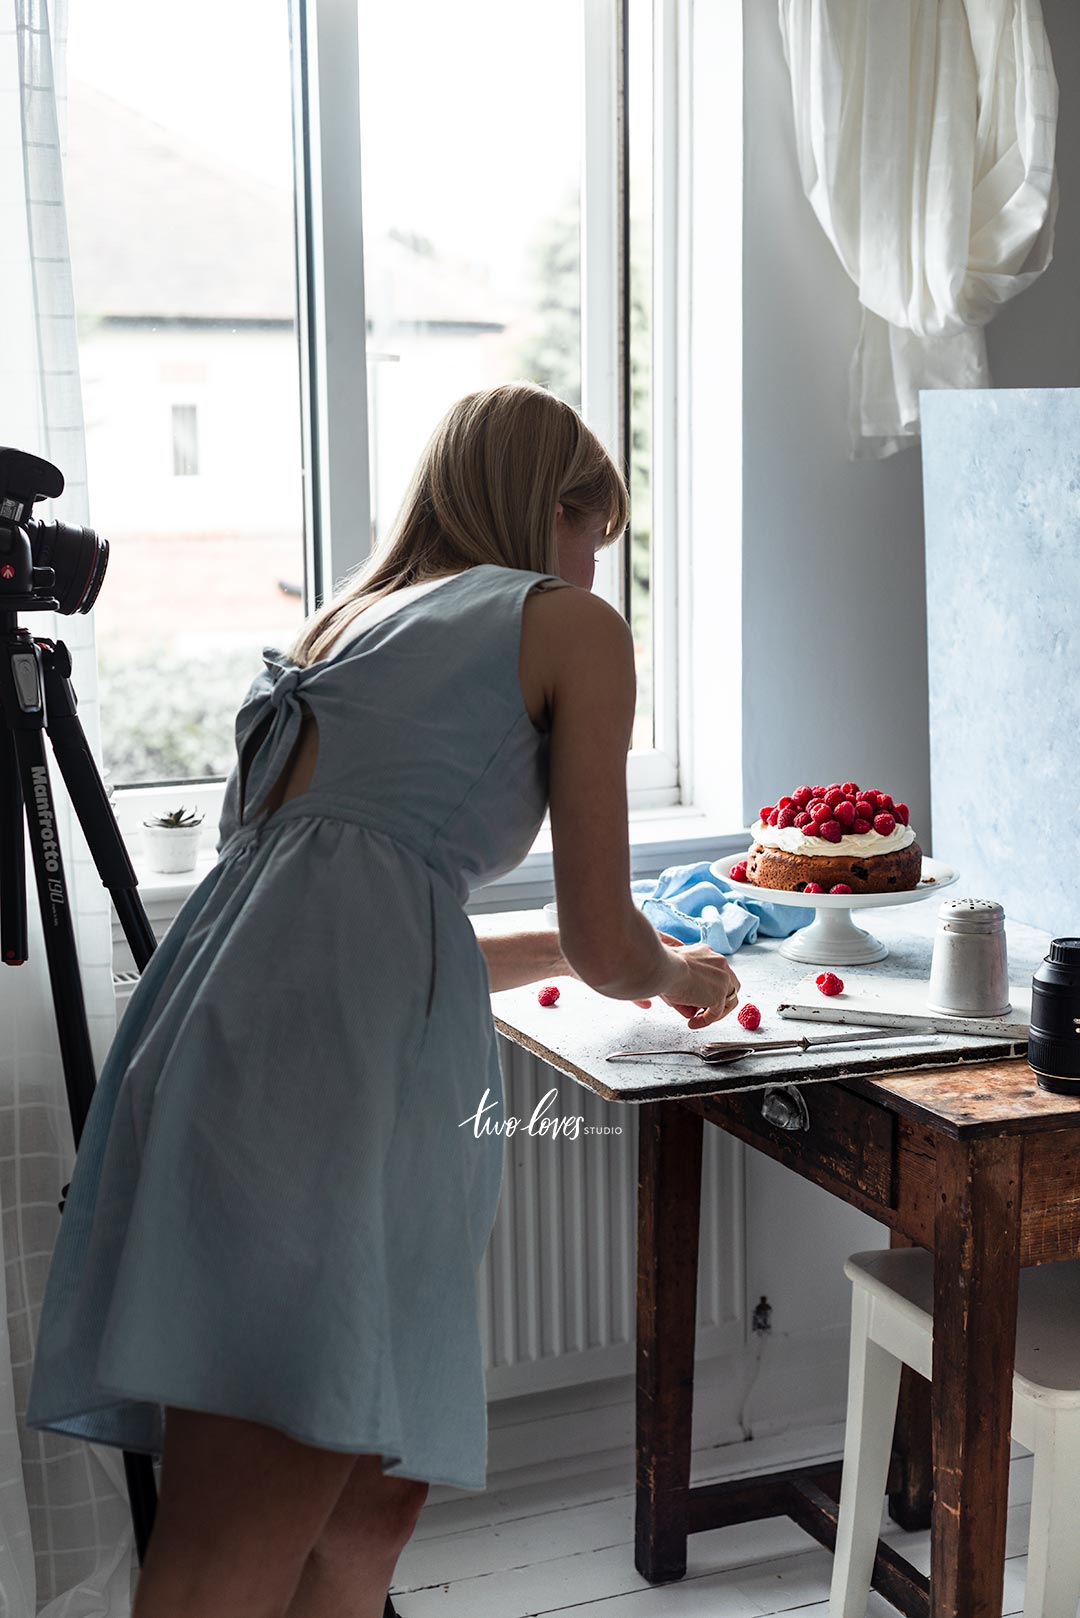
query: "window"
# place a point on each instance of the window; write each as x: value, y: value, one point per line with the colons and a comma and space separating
x: 515, y: 208
x: 480, y: 264
x: 181, y: 220
x: 185, y: 441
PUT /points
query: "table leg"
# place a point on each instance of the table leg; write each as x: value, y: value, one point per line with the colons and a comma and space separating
x: 976, y: 1279
x: 669, y: 1213
x: 910, y: 1504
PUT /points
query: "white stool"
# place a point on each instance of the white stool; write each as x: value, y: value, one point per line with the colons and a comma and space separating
x: 892, y: 1325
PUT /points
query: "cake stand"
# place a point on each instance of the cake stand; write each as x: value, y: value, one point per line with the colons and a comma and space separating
x: 833, y: 939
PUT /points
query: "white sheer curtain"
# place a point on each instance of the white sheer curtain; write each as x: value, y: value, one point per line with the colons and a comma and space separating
x: 925, y: 132
x: 66, y: 1545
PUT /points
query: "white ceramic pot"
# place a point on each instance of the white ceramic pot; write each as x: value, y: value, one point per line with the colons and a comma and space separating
x: 171, y: 848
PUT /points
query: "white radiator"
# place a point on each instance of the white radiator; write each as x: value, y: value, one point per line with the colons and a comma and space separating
x: 558, y: 1282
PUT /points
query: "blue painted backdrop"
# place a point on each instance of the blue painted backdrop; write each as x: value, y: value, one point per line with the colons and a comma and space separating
x: 1001, y: 479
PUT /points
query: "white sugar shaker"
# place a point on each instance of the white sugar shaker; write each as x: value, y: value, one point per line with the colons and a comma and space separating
x: 969, y: 973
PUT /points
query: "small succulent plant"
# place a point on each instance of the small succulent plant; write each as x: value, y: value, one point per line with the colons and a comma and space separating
x: 175, y: 817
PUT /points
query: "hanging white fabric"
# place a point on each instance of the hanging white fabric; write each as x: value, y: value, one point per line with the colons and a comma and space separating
x: 925, y: 132
x: 66, y: 1543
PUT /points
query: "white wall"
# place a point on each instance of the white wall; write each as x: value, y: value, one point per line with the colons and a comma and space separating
x: 833, y: 609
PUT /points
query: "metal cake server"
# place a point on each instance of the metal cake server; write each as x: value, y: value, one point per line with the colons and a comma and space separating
x: 734, y: 1050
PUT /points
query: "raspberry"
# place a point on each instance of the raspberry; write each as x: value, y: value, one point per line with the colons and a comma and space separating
x: 548, y: 995
x: 864, y: 808
x: 802, y: 819
x: 885, y: 802
x: 811, y: 829
x: 902, y: 813
x: 831, y: 830
x: 845, y: 813
x: 860, y: 826
x: 833, y: 797
x: 829, y: 983
x: 750, y: 1017
x: 884, y: 824
x: 834, y: 786
x: 784, y: 803
x: 840, y: 887
x: 802, y: 796
x: 813, y: 887
x: 738, y: 872
x: 822, y: 812
x: 763, y: 814
x: 774, y: 815
x: 819, y: 792
x: 850, y: 790
x: 786, y: 817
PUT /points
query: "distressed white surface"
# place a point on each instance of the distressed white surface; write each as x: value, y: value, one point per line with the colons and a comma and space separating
x: 894, y: 1002
x: 576, y: 1035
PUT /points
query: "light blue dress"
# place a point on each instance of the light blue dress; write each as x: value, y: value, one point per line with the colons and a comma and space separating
x: 275, y: 1213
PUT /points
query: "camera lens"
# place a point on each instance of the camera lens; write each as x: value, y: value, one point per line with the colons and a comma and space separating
x: 78, y: 558
x: 1054, y: 1038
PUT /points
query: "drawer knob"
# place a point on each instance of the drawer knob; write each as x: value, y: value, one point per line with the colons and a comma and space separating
x: 783, y: 1105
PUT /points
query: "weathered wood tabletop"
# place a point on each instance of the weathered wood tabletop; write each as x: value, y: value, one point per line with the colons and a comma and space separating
x: 975, y: 1162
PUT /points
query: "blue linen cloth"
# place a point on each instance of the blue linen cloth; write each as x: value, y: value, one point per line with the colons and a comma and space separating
x: 696, y: 905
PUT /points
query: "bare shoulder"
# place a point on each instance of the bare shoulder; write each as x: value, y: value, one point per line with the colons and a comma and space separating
x: 569, y: 617
x: 574, y: 643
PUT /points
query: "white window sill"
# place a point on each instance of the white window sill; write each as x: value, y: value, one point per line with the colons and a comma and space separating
x: 659, y: 838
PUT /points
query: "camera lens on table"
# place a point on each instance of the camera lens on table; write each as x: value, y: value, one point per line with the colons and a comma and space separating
x: 1054, y: 1040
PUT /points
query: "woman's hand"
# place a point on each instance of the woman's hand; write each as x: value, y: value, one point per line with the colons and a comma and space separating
x: 708, y: 991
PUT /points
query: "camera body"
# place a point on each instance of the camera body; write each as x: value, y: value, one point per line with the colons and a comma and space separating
x: 44, y: 566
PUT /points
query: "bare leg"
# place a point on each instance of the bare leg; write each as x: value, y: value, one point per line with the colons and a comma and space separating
x: 240, y: 1507
x: 348, y: 1572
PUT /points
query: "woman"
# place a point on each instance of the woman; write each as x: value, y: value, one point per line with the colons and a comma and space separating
x: 267, y: 1261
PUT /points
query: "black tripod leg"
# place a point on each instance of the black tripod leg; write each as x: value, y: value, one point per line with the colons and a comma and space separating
x: 389, y: 1611
x: 90, y: 800
x: 103, y: 837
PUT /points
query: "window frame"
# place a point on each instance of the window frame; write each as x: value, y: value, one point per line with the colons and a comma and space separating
x: 333, y: 377
x: 653, y: 778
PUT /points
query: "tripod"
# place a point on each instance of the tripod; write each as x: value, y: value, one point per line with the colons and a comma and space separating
x: 36, y: 696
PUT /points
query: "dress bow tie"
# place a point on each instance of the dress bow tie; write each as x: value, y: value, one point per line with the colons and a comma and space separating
x: 260, y: 769
x: 285, y: 683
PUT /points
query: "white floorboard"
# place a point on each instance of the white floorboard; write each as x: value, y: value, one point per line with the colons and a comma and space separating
x: 565, y: 1546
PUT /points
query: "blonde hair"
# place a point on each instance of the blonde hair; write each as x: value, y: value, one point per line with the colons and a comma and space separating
x: 485, y: 490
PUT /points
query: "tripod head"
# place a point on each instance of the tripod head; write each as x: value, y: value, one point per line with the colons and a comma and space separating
x: 44, y: 566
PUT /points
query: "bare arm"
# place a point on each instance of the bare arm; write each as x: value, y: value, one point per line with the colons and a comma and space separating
x: 526, y: 957
x: 590, y: 687
x: 608, y: 940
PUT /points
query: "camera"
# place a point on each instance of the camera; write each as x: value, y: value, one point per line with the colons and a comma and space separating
x: 44, y: 566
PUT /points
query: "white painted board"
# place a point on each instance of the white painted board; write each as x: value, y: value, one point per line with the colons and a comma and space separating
x: 875, y: 1001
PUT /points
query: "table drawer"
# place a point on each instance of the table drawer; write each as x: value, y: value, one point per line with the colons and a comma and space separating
x: 848, y: 1139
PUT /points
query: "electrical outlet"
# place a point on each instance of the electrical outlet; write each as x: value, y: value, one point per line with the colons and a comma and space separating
x: 761, y: 1319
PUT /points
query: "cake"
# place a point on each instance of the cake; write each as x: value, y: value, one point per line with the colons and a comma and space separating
x: 841, y: 838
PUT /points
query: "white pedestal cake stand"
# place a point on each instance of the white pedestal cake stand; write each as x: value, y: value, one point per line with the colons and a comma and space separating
x: 833, y: 939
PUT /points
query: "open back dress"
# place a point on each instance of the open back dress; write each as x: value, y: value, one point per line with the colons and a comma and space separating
x: 279, y: 1202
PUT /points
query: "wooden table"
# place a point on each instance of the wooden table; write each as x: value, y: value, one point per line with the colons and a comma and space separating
x: 974, y: 1163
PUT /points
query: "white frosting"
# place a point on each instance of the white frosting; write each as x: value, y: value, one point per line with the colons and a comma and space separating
x: 862, y: 846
